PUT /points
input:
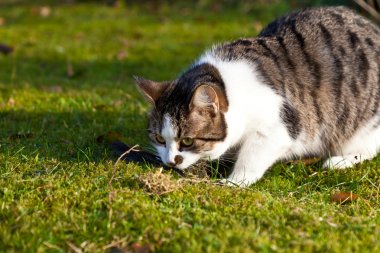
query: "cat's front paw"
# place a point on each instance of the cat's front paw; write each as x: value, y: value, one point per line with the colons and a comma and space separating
x: 338, y: 162
x: 242, y: 180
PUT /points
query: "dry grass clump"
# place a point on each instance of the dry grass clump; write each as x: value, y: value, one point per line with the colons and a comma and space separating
x: 158, y: 183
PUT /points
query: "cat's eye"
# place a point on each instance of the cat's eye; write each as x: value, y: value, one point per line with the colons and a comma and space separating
x: 160, y: 139
x: 187, y: 142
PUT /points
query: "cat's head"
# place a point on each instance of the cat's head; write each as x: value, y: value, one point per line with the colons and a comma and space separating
x: 187, y: 120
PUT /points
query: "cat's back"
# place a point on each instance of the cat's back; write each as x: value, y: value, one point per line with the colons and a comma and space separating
x: 329, y: 60
x: 325, y: 64
x: 323, y: 32
x: 309, y: 22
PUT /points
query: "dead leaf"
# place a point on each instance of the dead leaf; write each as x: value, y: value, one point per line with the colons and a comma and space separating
x: 200, y: 18
x: 2, y: 21
x: 20, y: 135
x: 343, y: 197
x: 306, y: 161
x: 109, y: 137
x: 139, y: 248
x: 45, y: 11
x: 11, y: 102
x: 125, y: 42
x: 123, y: 54
x: 216, y: 7
x: 34, y: 11
x: 79, y: 36
x: 55, y: 89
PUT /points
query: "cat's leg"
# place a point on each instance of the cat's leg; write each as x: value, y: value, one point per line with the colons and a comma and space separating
x: 364, y: 145
x: 346, y: 161
x: 256, y: 155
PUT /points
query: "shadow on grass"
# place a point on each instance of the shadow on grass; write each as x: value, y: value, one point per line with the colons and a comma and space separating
x: 16, y: 3
x: 66, y: 114
x: 78, y: 74
x: 297, y: 179
x: 66, y: 136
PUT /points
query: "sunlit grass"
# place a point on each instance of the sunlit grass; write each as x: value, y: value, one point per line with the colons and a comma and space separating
x: 69, y: 81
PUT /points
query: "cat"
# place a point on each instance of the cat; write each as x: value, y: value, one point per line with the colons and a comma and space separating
x: 307, y: 85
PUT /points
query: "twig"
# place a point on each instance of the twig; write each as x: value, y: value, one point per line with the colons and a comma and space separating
x: 52, y: 246
x: 118, y: 160
x: 194, y: 180
x: 116, y: 243
x: 74, y: 248
x: 111, y: 193
x: 368, y: 8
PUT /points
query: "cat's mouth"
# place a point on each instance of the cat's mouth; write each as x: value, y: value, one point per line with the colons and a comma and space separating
x: 181, y: 166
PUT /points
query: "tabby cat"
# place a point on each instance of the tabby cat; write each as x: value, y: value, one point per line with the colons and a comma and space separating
x: 308, y: 85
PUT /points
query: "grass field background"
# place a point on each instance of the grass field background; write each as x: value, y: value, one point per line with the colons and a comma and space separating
x: 69, y: 81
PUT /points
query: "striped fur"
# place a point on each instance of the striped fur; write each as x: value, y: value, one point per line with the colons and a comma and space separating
x: 319, y: 70
x: 326, y: 56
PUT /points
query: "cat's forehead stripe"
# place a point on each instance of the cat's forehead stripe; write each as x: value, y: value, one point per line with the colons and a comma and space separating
x: 168, y: 131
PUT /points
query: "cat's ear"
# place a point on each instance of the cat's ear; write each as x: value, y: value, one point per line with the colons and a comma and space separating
x: 205, y: 97
x: 150, y: 89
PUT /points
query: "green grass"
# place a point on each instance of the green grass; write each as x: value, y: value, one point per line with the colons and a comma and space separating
x: 60, y: 189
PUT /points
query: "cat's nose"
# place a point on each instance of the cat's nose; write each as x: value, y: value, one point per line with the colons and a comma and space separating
x: 177, y: 160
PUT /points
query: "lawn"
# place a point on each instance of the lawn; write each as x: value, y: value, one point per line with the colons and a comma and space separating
x: 67, y: 90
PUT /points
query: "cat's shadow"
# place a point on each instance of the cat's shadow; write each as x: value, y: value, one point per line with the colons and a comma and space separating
x: 61, y: 136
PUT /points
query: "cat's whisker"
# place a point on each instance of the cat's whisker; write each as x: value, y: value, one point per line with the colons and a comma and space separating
x: 152, y: 150
x: 225, y: 159
x: 228, y: 160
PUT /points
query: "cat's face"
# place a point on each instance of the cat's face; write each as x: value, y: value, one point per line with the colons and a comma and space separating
x: 182, y: 141
x: 187, y: 120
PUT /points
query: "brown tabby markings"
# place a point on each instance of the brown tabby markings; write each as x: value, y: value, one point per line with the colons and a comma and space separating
x: 204, y: 126
x: 325, y: 63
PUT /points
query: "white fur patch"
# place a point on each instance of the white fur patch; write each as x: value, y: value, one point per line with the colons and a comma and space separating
x: 253, y: 120
x: 254, y: 125
x: 364, y: 145
x: 250, y: 101
x: 366, y: 141
x: 170, y: 150
x: 169, y: 132
x: 189, y: 158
